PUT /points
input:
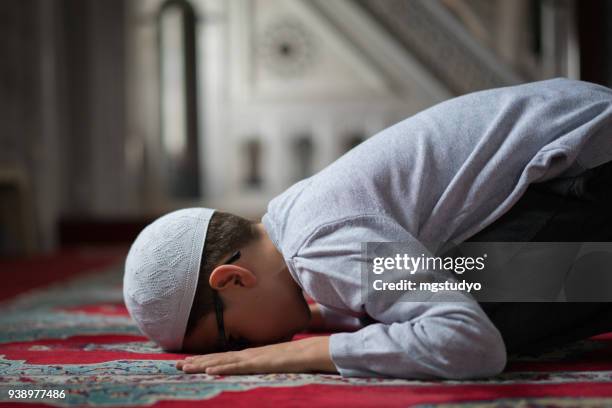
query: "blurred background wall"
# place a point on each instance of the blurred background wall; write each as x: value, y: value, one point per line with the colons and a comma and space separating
x: 115, y: 111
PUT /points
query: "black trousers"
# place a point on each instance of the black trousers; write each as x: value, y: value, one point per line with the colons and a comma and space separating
x: 572, y: 209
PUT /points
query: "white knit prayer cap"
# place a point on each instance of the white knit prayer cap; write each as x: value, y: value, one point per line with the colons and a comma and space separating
x: 161, y: 274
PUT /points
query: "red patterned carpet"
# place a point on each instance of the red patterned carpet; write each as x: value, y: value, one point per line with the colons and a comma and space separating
x: 74, y: 336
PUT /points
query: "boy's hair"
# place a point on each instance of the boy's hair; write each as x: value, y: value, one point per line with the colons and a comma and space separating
x: 227, y: 233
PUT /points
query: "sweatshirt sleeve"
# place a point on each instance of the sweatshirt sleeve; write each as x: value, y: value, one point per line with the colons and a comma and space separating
x: 454, y: 340
x: 436, y: 338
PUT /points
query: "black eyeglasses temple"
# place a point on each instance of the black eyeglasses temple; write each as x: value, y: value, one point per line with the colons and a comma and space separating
x: 219, y: 309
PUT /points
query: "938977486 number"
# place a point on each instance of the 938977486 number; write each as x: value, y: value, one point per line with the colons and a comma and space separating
x: 27, y: 394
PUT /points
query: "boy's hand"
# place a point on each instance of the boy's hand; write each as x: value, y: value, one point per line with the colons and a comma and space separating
x: 306, y: 355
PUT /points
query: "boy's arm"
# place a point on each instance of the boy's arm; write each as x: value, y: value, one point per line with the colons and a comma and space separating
x: 300, y: 356
x: 448, y: 340
x: 452, y: 340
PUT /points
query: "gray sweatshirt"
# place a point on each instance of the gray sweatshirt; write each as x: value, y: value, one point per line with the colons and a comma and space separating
x: 439, y: 176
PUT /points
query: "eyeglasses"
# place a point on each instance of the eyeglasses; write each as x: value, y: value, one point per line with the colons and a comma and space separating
x: 222, y: 343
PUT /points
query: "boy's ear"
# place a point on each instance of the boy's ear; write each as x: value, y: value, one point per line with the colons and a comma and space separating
x: 225, y: 276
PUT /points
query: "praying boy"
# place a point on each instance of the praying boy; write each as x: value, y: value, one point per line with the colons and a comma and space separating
x: 212, y: 283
